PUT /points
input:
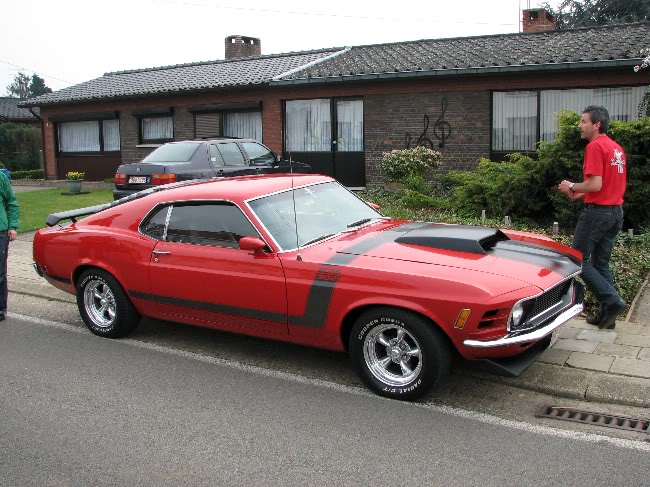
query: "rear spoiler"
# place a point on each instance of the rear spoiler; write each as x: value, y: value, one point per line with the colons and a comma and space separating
x: 55, y: 218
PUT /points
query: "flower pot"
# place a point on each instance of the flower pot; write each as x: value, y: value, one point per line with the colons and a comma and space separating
x: 73, y: 186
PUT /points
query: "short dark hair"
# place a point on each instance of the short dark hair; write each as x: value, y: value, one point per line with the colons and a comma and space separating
x: 598, y: 114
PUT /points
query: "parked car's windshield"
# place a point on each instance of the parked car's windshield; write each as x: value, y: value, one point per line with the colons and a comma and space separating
x: 177, y: 152
x: 321, y: 210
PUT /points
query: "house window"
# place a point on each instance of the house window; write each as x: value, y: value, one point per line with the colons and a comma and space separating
x: 246, y: 125
x: 156, y: 129
x: 517, y: 124
x: 206, y: 125
x: 308, y: 126
x: 85, y: 136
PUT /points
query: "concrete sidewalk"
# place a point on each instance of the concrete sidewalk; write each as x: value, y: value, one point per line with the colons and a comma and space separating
x: 586, y: 363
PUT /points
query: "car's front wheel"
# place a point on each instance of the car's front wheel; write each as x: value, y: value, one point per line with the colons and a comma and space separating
x: 398, y: 354
x: 104, y: 306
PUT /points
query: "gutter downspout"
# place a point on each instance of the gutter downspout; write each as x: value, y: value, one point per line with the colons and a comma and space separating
x: 41, y: 160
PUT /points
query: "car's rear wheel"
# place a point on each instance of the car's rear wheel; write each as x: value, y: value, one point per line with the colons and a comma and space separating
x: 104, y: 306
x: 398, y: 354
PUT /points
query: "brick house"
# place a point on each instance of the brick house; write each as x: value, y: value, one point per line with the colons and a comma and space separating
x: 11, y: 113
x: 339, y: 109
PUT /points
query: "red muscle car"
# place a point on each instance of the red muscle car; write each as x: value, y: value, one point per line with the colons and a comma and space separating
x: 300, y: 258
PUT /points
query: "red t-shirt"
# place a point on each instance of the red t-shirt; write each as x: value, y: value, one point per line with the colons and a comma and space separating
x: 605, y: 158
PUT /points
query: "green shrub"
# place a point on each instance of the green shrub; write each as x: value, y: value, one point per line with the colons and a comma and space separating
x: 20, y: 146
x: 30, y: 174
x: 417, y: 183
x: 401, y: 163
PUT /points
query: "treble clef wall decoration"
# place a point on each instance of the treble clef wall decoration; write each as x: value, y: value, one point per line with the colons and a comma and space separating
x: 442, y: 129
x: 423, y: 140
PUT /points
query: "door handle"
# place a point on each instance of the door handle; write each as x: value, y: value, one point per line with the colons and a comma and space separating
x: 160, y: 252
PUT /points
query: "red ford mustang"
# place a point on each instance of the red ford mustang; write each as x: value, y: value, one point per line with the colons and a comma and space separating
x: 304, y: 260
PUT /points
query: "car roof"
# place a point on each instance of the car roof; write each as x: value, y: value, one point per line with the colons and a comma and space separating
x: 213, y: 139
x: 238, y: 188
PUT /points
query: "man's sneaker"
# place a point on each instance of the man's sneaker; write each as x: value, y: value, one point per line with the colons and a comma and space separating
x: 594, y: 318
x: 608, y: 318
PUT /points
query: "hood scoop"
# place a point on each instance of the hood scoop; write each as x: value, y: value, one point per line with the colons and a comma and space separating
x: 460, y: 238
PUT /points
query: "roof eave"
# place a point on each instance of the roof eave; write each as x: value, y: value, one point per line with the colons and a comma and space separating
x: 460, y: 72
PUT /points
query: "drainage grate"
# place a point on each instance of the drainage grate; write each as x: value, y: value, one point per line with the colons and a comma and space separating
x: 597, y: 419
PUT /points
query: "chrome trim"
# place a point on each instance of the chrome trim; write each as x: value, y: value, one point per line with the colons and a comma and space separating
x: 572, y: 276
x: 531, y: 336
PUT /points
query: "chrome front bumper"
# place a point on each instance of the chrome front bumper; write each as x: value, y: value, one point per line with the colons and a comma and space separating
x: 532, y: 336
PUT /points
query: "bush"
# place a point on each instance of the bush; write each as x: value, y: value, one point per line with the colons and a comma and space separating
x: 398, y: 164
x: 20, y: 146
x: 417, y: 183
x: 30, y: 174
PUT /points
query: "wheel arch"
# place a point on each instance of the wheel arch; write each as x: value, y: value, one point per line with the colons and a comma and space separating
x: 351, y: 317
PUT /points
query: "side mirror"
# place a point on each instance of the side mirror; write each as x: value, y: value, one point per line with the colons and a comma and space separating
x: 252, y: 244
x: 278, y: 158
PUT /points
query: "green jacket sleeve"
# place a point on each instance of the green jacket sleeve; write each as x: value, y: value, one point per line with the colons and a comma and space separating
x: 10, y: 203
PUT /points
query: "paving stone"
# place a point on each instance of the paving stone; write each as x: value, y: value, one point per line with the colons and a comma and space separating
x: 623, y: 351
x: 600, y: 336
x: 644, y: 354
x: 633, y: 328
x: 579, y: 324
x: 590, y: 361
x: 555, y: 356
x: 634, y: 340
x: 631, y: 367
x: 566, y: 332
x: 575, y: 345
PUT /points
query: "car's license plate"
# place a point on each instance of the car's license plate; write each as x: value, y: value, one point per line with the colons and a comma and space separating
x: 555, y: 336
x: 137, y: 179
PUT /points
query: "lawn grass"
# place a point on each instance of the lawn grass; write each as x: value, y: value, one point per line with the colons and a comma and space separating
x: 35, y: 206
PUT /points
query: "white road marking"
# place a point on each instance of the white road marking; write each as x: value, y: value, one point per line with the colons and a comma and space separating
x: 359, y: 391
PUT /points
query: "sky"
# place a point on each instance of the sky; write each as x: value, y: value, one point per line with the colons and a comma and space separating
x: 67, y: 42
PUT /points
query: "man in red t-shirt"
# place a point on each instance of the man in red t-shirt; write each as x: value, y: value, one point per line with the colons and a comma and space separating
x: 603, y: 186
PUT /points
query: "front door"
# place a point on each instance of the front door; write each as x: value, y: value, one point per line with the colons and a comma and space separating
x: 198, y: 271
x: 327, y: 134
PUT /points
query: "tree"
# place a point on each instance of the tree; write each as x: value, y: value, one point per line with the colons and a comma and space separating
x: 38, y: 87
x: 20, y: 87
x: 587, y: 13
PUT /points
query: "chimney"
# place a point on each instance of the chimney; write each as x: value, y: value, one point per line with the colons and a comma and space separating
x: 241, y: 46
x: 537, y: 20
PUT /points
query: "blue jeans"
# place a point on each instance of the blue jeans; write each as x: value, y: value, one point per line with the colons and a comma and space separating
x: 594, y: 236
x: 4, y: 253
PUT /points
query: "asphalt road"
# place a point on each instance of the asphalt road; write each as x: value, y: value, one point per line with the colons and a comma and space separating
x: 78, y: 410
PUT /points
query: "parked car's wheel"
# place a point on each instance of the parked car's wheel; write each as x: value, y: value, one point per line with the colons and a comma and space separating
x: 104, y: 306
x: 397, y: 353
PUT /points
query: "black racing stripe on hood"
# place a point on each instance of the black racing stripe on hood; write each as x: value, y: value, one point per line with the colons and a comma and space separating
x: 537, y: 255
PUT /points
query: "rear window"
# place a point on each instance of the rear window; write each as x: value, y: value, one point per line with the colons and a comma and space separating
x: 181, y: 152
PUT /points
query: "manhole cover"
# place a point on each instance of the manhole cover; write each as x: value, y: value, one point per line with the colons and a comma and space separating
x: 641, y: 425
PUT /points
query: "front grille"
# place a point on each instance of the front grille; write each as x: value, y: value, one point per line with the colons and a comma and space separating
x: 550, y: 298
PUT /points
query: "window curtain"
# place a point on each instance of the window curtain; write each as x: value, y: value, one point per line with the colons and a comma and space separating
x: 79, y: 136
x: 308, y: 126
x: 111, y: 133
x: 621, y: 103
x: 158, y: 128
x: 514, y: 120
x: 349, y: 125
x: 247, y: 125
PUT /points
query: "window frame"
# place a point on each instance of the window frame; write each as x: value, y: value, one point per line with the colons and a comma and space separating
x: 101, y: 150
x: 141, y: 117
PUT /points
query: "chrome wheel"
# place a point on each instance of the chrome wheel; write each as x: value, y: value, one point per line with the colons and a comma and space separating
x: 392, y: 355
x: 99, y: 303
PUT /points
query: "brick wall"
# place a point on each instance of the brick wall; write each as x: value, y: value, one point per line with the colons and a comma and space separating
x: 389, y: 118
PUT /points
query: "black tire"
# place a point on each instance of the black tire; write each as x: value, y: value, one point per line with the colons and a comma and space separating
x: 378, y: 353
x: 104, y: 306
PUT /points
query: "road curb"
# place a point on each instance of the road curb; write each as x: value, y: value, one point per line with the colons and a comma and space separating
x: 574, y: 384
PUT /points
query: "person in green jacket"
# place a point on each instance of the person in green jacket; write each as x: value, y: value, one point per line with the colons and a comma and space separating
x: 9, y: 220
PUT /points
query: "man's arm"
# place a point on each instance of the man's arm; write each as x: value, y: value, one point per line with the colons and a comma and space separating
x: 590, y: 185
x: 11, y: 207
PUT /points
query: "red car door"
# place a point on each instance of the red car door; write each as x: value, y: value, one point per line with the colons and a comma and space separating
x: 197, y: 271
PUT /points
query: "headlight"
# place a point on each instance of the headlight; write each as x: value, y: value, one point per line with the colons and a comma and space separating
x: 517, y: 314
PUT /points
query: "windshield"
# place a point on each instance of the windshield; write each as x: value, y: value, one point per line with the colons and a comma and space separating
x: 321, y: 210
x: 181, y: 152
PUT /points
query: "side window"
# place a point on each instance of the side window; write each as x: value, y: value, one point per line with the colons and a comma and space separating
x: 215, y: 224
x: 215, y: 156
x: 258, y: 153
x: 154, y: 226
x: 231, y: 154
